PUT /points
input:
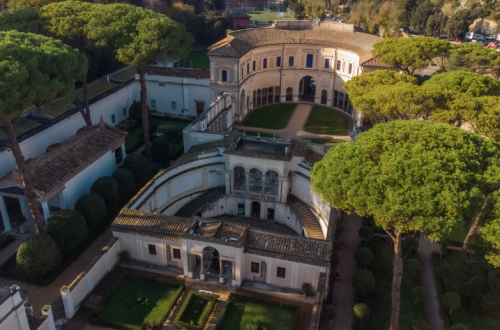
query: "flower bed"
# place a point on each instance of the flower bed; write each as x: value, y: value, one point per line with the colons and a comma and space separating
x: 195, y: 311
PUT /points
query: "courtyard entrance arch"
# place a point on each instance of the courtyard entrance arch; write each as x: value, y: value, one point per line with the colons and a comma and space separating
x: 307, y: 89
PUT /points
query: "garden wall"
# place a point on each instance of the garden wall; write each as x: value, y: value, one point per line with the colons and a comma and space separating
x: 318, y: 305
x: 47, y: 319
x: 74, y: 294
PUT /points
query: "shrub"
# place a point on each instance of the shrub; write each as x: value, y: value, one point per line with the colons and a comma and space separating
x: 68, y: 229
x: 107, y: 188
x: 126, y: 184
x: 173, y: 133
x: 37, y: 256
x: 139, y: 166
x: 451, y: 300
x: 420, y: 324
x: 419, y: 293
x: 135, y: 111
x: 413, y: 266
x: 361, y: 311
x: 93, y: 209
x: 445, y: 271
x: 366, y: 233
x: 363, y: 256
x: 160, y: 151
x: 363, y: 281
x: 459, y: 326
x: 306, y: 289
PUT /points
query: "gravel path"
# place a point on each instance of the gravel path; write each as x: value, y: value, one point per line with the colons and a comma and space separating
x: 432, y: 308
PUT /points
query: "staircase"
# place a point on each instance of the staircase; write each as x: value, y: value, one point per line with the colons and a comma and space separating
x: 200, y: 203
x: 306, y: 217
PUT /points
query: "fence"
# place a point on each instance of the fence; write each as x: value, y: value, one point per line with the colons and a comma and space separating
x: 74, y: 294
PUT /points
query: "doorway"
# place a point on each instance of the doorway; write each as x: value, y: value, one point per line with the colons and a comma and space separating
x: 241, y: 209
x: 200, y: 106
x: 307, y: 89
x: 270, y: 214
x: 255, y: 209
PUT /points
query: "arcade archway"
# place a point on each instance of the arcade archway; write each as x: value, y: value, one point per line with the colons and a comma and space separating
x: 307, y: 89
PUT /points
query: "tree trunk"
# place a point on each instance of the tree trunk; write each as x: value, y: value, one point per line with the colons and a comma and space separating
x: 88, y: 118
x: 396, y: 281
x: 475, y: 224
x: 29, y: 191
x: 79, y: 106
x: 85, y: 113
x: 145, y: 115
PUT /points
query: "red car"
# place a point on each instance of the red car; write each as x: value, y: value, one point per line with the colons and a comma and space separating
x: 493, y: 44
x: 459, y: 40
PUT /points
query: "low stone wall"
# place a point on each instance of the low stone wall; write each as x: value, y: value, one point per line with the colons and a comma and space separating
x: 47, y: 319
x: 318, y: 306
x: 74, y: 294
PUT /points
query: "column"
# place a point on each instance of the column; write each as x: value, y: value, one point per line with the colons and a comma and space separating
x: 25, y: 208
x: 221, y: 275
x: 247, y: 175
x: 62, y: 199
x: 46, y: 211
x: 263, y: 187
x: 227, y: 181
x: 190, y: 269
x: 124, y: 153
x: 5, y: 215
x: 202, y: 269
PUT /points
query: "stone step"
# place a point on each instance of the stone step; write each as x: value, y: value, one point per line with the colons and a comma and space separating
x: 200, y: 202
x: 308, y: 220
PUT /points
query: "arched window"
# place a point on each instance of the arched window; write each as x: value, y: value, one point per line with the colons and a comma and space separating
x: 341, y: 101
x: 289, y: 94
x: 323, y: 96
x: 264, y: 96
x: 270, y: 91
x: 254, y: 98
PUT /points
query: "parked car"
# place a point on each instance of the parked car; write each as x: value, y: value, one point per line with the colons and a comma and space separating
x: 490, y: 38
x: 478, y: 37
x: 459, y: 40
x: 493, y: 44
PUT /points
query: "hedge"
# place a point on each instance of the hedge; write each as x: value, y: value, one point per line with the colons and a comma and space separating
x: 212, y: 299
x: 135, y: 111
x: 126, y: 184
x: 107, y: 188
x: 37, y: 256
x: 140, y: 168
x: 94, y: 211
x: 160, y: 151
x: 68, y: 229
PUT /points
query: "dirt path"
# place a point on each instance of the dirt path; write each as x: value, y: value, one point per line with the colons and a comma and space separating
x: 432, y: 308
x: 295, y: 127
x: 343, y: 292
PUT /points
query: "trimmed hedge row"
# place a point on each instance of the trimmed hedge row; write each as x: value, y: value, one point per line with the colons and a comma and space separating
x: 243, y: 298
x: 212, y: 299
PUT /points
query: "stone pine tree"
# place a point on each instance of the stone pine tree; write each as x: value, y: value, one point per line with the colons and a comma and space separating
x: 33, y: 70
x: 68, y: 21
x: 139, y: 37
x: 409, y: 175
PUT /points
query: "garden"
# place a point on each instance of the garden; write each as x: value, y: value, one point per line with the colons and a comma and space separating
x: 136, y: 303
x: 373, y: 281
x: 243, y: 313
x: 323, y: 120
x: 275, y: 116
x: 199, y: 60
x: 195, y: 311
x: 328, y: 142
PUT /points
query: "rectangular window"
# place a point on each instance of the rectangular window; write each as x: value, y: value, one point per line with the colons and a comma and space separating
x: 124, y: 111
x: 177, y: 253
x: 242, y: 72
x: 309, y: 62
x: 224, y: 75
x: 254, y: 267
x: 253, y: 66
x: 112, y: 119
x: 350, y: 68
x: 339, y: 65
x: 290, y: 60
x: 152, y: 249
x: 153, y: 103
x: 281, y: 273
x: 327, y: 63
x: 162, y: 84
x: 264, y: 65
x: 248, y: 68
x: 174, y: 105
x: 278, y: 61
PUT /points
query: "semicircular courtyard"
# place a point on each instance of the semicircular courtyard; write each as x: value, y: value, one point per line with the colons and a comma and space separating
x: 317, y: 123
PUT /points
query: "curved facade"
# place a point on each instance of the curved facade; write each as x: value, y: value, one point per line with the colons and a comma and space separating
x: 290, y: 62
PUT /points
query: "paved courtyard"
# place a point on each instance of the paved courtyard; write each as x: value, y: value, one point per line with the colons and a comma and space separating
x: 295, y: 126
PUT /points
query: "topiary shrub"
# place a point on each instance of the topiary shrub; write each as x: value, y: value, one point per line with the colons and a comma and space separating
x: 160, y: 151
x: 363, y: 256
x: 93, y: 208
x: 306, y: 289
x: 126, y: 184
x: 361, y: 311
x: 452, y: 300
x: 365, y: 233
x: 363, y: 281
x: 107, y: 188
x: 135, y: 111
x: 68, y: 228
x: 459, y: 326
x: 37, y: 256
x: 139, y: 166
x: 420, y: 324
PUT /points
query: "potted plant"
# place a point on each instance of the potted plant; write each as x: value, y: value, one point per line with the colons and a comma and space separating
x: 148, y: 325
x: 306, y: 289
x: 124, y: 256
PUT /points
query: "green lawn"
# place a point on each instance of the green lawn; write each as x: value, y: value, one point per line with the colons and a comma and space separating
x: 323, y: 120
x: 252, y: 133
x: 199, y: 60
x: 136, y: 299
x: 241, y: 313
x: 195, y: 309
x: 379, y: 300
x: 330, y: 142
x: 136, y: 136
x: 275, y: 116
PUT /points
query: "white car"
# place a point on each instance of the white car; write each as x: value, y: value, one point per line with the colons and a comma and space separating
x: 478, y: 37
